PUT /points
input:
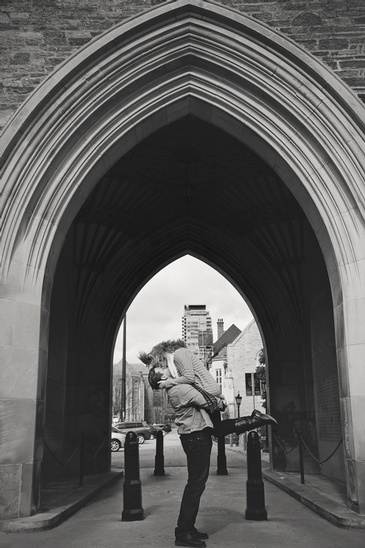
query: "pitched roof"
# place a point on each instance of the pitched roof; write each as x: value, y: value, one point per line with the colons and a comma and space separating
x: 226, y: 338
x: 244, y: 332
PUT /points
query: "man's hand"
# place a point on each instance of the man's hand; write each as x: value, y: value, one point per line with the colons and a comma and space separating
x: 166, y: 384
x: 222, y: 405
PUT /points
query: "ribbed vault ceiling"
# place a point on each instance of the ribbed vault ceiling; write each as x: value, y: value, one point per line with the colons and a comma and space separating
x: 189, y: 188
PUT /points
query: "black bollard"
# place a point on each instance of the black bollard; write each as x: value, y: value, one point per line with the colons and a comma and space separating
x: 221, y: 442
x: 132, y: 492
x: 159, y: 457
x: 221, y: 457
x: 254, y: 486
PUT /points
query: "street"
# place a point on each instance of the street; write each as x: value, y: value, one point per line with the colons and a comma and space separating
x: 173, y: 454
x: 222, y: 513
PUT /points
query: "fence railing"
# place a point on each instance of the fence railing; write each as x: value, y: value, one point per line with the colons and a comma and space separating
x: 80, y: 447
x: 301, y: 447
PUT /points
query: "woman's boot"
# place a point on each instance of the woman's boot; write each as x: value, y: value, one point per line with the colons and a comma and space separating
x: 257, y: 419
x: 242, y: 424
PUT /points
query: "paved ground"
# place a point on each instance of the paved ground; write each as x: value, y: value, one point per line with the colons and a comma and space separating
x: 222, y: 514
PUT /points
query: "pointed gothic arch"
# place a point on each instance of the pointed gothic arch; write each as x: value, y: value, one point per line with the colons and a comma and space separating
x: 184, y: 58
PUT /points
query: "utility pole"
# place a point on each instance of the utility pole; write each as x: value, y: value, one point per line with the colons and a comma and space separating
x: 253, y: 390
x: 124, y: 368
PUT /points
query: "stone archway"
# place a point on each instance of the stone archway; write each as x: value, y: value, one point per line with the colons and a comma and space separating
x: 299, y: 125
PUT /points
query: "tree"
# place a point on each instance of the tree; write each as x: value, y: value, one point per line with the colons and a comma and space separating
x: 262, y: 357
x: 261, y: 372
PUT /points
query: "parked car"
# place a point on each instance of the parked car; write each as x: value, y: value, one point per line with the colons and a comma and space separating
x: 164, y: 427
x: 118, y: 439
x: 141, y: 428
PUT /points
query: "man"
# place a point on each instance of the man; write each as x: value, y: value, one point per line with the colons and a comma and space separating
x: 195, y: 429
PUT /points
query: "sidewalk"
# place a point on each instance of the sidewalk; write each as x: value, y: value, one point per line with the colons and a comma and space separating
x: 326, y: 498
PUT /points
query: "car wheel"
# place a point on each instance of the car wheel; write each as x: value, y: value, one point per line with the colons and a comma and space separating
x: 115, y: 445
x: 140, y: 438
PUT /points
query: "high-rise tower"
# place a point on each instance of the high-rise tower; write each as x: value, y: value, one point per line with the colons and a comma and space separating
x: 197, y: 330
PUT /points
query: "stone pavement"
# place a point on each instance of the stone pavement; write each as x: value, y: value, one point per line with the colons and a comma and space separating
x: 222, y: 512
x: 325, y: 497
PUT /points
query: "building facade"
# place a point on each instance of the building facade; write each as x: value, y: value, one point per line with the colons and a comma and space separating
x: 234, y: 362
x: 242, y: 360
x: 219, y: 366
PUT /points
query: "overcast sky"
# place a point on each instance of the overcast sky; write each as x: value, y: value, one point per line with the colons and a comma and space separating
x: 155, y: 314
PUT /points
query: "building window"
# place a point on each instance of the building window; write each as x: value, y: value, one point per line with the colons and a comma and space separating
x: 253, y: 378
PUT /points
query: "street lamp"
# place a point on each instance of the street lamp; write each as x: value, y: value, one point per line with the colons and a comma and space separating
x: 238, y: 402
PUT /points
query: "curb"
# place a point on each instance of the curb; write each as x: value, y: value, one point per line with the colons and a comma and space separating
x: 51, y: 518
x: 330, y: 510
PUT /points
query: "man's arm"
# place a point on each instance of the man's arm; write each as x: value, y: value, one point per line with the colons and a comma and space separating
x: 187, y: 396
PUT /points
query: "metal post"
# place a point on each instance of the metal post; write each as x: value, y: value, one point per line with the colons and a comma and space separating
x: 254, y: 486
x: 81, y: 459
x: 301, y: 459
x: 238, y: 414
x: 132, y: 492
x: 124, y: 369
x: 159, y: 457
x: 253, y: 390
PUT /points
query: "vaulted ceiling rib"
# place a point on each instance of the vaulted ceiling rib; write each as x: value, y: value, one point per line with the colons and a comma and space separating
x: 189, y: 188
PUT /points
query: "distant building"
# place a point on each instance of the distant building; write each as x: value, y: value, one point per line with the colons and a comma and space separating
x: 233, y: 362
x: 157, y: 408
x: 218, y: 363
x: 135, y: 391
x: 197, y: 332
x: 243, y: 358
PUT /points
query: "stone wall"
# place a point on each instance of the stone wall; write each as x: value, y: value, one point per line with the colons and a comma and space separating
x: 38, y: 35
x: 326, y: 390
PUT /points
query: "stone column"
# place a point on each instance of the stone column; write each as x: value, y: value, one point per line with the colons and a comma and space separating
x: 22, y: 383
x: 350, y: 315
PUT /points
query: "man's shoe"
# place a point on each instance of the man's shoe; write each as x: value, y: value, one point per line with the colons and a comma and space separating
x: 189, y: 540
x: 257, y: 419
x: 197, y: 534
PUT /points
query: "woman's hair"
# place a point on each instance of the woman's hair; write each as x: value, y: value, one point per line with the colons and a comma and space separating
x: 154, y: 378
x: 159, y: 350
x: 167, y: 346
x: 147, y: 359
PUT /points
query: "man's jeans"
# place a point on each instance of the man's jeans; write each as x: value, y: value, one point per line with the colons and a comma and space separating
x: 197, y: 446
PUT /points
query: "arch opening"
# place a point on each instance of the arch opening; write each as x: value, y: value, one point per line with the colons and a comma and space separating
x: 191, y: 188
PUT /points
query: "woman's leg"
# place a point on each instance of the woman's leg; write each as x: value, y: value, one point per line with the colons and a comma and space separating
x: 243, y: 424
